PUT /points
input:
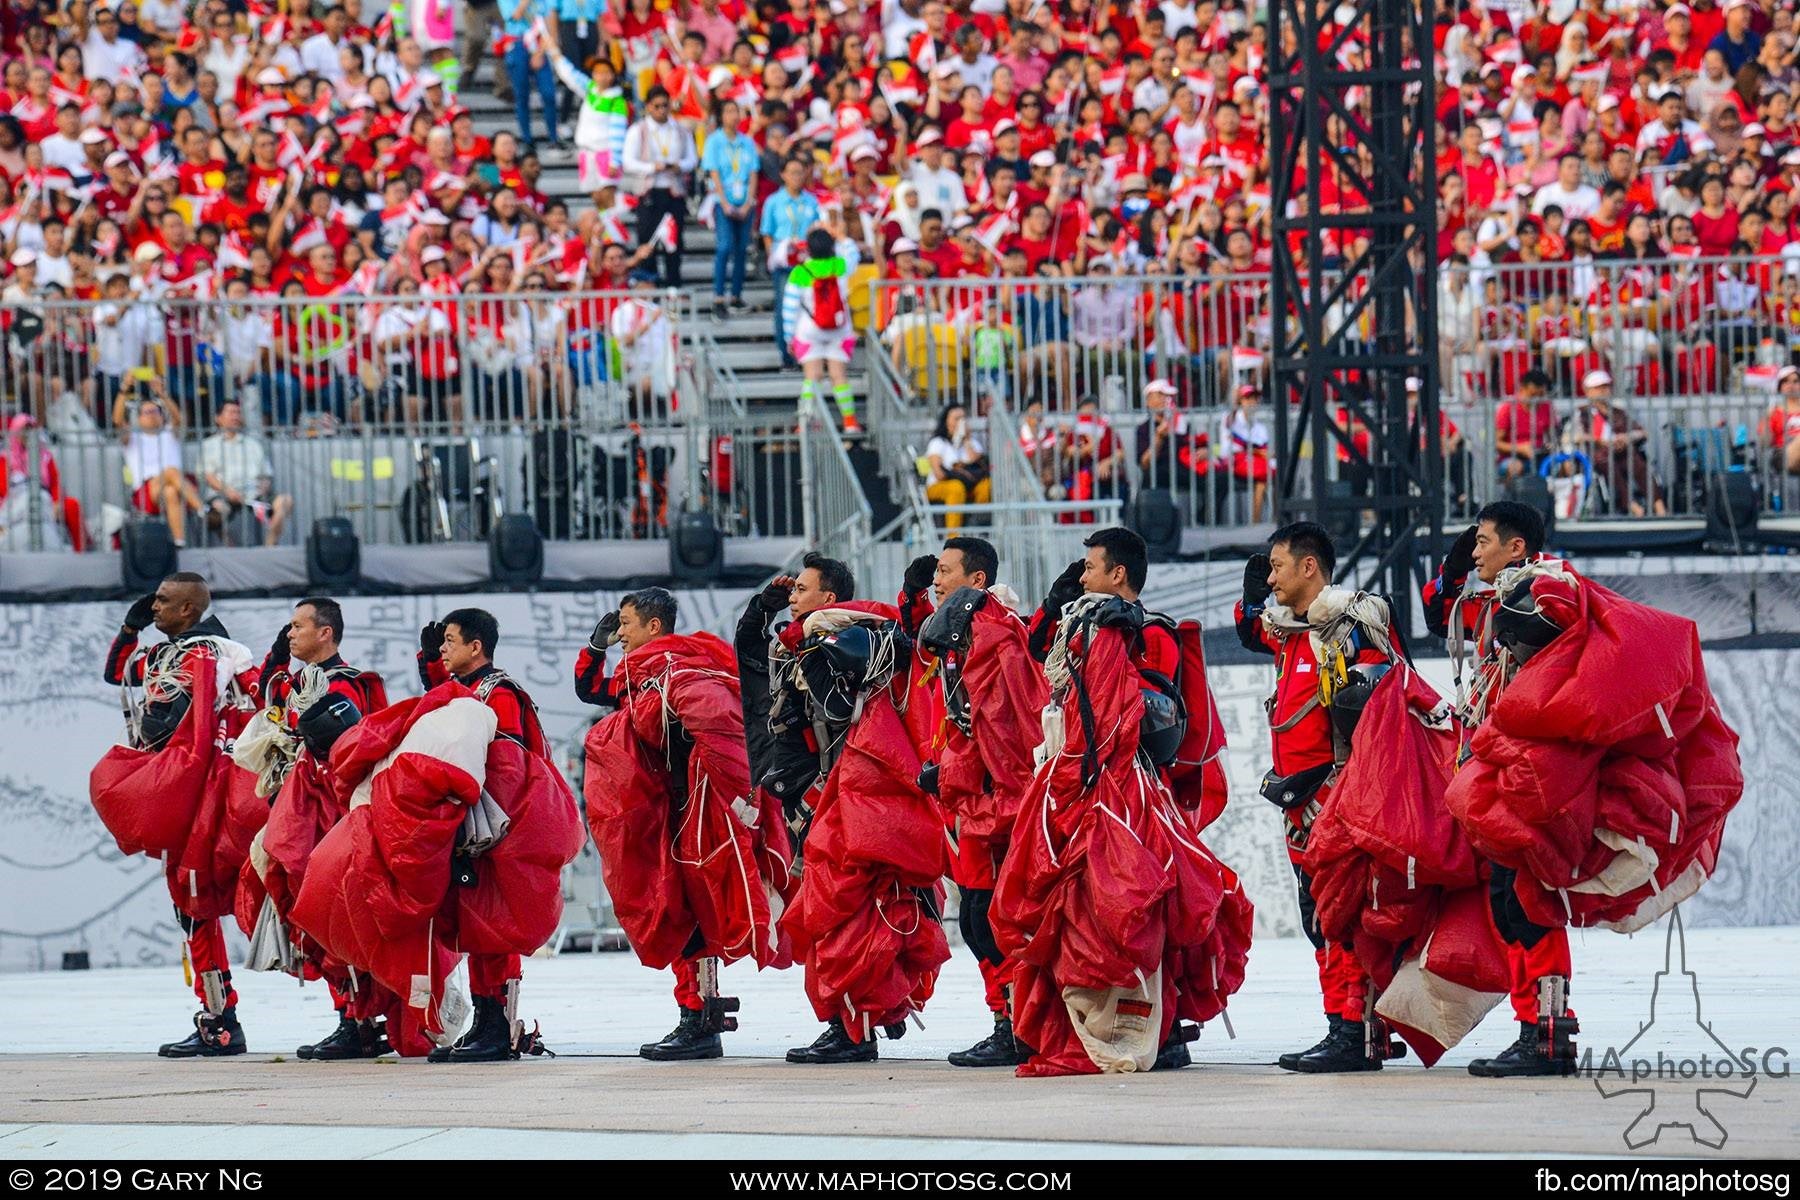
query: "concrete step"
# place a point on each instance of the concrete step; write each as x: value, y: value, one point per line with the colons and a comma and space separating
x: 783, y: 387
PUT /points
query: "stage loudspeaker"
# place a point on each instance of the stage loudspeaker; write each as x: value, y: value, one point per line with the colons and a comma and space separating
x: 1733, y: 502
x: 1344, y: 518
x: 148, y: 555
x: 333, y: 555
x: 1533, y: 491
x: 1153, y: 516
x: 515, y: 551
x: 696, y: 548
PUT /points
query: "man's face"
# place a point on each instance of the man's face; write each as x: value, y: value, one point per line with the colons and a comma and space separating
x: 793, y: 174
x: 1569, y: 174
x: 231, y: 416
x: 176, y: 608
x: 308, y: 639
x: 659, y: 108
x: 1294, y: 579
x: 460, y: 655
x: 931, y: 233
x: 1494, y: 553
x: 808, y: 594
x: 634, y: 630
x: 952, y: 573
x: 1097, y: 576
x: 150, y: 417
x: 175, y: 230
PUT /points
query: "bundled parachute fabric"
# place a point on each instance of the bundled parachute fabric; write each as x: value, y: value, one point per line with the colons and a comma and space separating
x: 1604, y: 771
x: 986, y: 771
x: 706, y: 852
x: 1388, y: 861
x: 374, y: 893
x: 1197, y: 776
x: 177, y: 803
x: 1118, y: 917
x: 866, y: 918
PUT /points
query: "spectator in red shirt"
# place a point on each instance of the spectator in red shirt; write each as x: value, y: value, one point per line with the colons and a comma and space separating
x: 1524, y: 428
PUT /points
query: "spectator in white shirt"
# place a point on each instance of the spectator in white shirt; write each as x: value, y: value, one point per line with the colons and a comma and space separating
x: 1576, y: 199
x: 53, y: 265
x: 319, y: 53
x: 936, y: 180
x: 123, y: 329
x: 166, y: 15
x: 106, y: 55
x: 972, y: 63
x: 1711, y: 87
x: 63, y: 150
x: 1177, y: 17
x: 153, y: 471
x: 240, y: 479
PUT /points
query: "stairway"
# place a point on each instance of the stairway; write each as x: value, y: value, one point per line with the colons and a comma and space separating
x: 746, y: 343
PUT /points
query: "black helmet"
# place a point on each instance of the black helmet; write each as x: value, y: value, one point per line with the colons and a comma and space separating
x: 952, y: 625
x: 835, y: 666
x: 325, y: 722
x: 1352, y: 696
x: 161, y: 719
x: 1164, y: 723
x: 1520, y: 625
x: 1116, y: 612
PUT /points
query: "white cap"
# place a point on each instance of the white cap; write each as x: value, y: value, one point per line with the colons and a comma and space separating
x: 1792, y: 157
x: 1785, y: 372
x: 1753, y: 129
x: 904, y: 246
x: 93, y: 137
x: 24, y: 258
x: 148, y: 252
x: 961, y: 222
x: 432, y: 254
x: 1043, y: 158
x: 1731, y: 4
x: 1522, y: 72
x: 944, y: 70
x: 930, y: 137
x: 271, y: 77
x: 1159, y: 387
x: 118, y: 158
x: 430, y: 79
x: 864, y: 151
x: 1004, y: 125
x: 719, y: 77
x: 1414, y: 383
x: 1678, y: 10
x: 362, y: 100
x: 432, y: 216
x: 1594, y: 379
x: 1608, y: 103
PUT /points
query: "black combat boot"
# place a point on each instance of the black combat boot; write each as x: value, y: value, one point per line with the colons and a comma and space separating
x: 1174, y: 1054
x: 997, y: 1049
x: 489, y: 1038
x: 351, y: 1039
x: 690, y: 1039
x: 1287, y: 1061
x: 835, y: 1046
x: 1537, y: 1052
x: 213, y: 1037
x: 1344, y: 1049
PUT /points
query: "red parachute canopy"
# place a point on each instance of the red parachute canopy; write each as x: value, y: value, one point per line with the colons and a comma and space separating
x: 983, y: 778
x: 722, y: 863
x: 1605, y: 771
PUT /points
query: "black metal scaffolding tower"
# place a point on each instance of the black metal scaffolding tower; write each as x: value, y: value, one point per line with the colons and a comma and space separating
x: 1349, y: 331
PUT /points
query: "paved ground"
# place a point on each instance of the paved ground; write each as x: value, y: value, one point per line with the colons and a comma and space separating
x: 80, y: 1086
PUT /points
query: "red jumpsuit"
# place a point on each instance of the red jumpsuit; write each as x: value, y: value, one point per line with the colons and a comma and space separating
x: 369, y: 694
x: 1525, y: 965
x: 594, y: 686
x: 1305, y: 745
x: 490, y: 973
x: 205, y: 939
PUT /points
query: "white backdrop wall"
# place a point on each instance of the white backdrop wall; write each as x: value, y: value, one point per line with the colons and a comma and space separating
x: 64, y: 885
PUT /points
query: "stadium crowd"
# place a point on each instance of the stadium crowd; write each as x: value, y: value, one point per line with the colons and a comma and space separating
x: 290, y: 203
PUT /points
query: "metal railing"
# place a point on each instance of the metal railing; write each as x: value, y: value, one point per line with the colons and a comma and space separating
x: 1695, y: 346
x: 838, y: 519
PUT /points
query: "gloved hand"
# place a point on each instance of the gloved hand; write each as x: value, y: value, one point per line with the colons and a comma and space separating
x: 431, y: 641
x: 774, y: 597
x: 606, y: 632
x: 920, y: 572
x: 1256, y: 581
x: 1461, y: 559
x: 928, y: 779
x: 141, y: 613
x: 279, y: 653
x: 1067, y: 587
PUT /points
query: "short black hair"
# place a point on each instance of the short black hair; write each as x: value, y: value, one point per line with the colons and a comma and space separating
x: 653, y: 603
x: 1512, y: 519
x: 820, y: 244
x: 834, y: 576
x: 1307, y: 538
x: 185, y: 577
x: 978, y: 555
x: 326, y: 612
x: 1123, y: 548
x: 476, y: 625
